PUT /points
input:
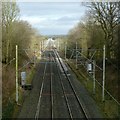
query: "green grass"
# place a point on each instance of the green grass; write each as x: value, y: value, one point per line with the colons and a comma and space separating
x: 11, y: 110
x: 8, y: 110
x: 109, y: 107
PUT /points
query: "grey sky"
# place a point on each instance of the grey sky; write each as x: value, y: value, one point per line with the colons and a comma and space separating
x: 51, y: 18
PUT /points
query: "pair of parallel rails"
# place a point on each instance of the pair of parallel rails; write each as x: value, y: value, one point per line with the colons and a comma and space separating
x: 69, y: 108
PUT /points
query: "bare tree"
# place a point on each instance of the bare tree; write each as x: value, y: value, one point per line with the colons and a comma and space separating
x: 10, y: 13
x: 106, y: 13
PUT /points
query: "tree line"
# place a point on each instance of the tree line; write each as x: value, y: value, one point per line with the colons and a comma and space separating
x: 15, y: 32
x: 101, y: 25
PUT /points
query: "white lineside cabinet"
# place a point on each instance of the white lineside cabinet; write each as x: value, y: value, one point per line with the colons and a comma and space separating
x: 23, y: 78
x: 89, y: 67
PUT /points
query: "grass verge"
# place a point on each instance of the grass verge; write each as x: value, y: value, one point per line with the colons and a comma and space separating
x: 11, y: 108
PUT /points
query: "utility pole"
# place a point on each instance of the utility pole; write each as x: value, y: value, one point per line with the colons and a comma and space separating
x: 103, y: 83
x: 17, y: 74
x: 58, y: 45
x: 65, y: 50
x: 43, y: 45
x: 40, y: 49
x: 94, y: 76
x: 34, y: 55
x: 76, y: 55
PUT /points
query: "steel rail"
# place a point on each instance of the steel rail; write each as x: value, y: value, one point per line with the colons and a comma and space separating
x: 42, y: 86
x: 51, y: 91
x: 65, y: 96
x: 80, y: 104
x: 40, y: 95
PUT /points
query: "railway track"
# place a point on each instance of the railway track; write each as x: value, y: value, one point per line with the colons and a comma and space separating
x: 51, y: 91
x: 45, y: 92
x: 82, y: 109
x: 40, y: 95
x: 74, y: 107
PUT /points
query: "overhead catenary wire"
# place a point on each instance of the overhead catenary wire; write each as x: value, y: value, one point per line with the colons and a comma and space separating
x: 91, y: 61
x: 97, y: 67
x: 24, y: 66
x: 9, y: 62
x: 101, y: 86
x: 116, y: 67
x: 78, y: 52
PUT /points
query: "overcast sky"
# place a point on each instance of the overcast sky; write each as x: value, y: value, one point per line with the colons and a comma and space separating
x: 51, y: 18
